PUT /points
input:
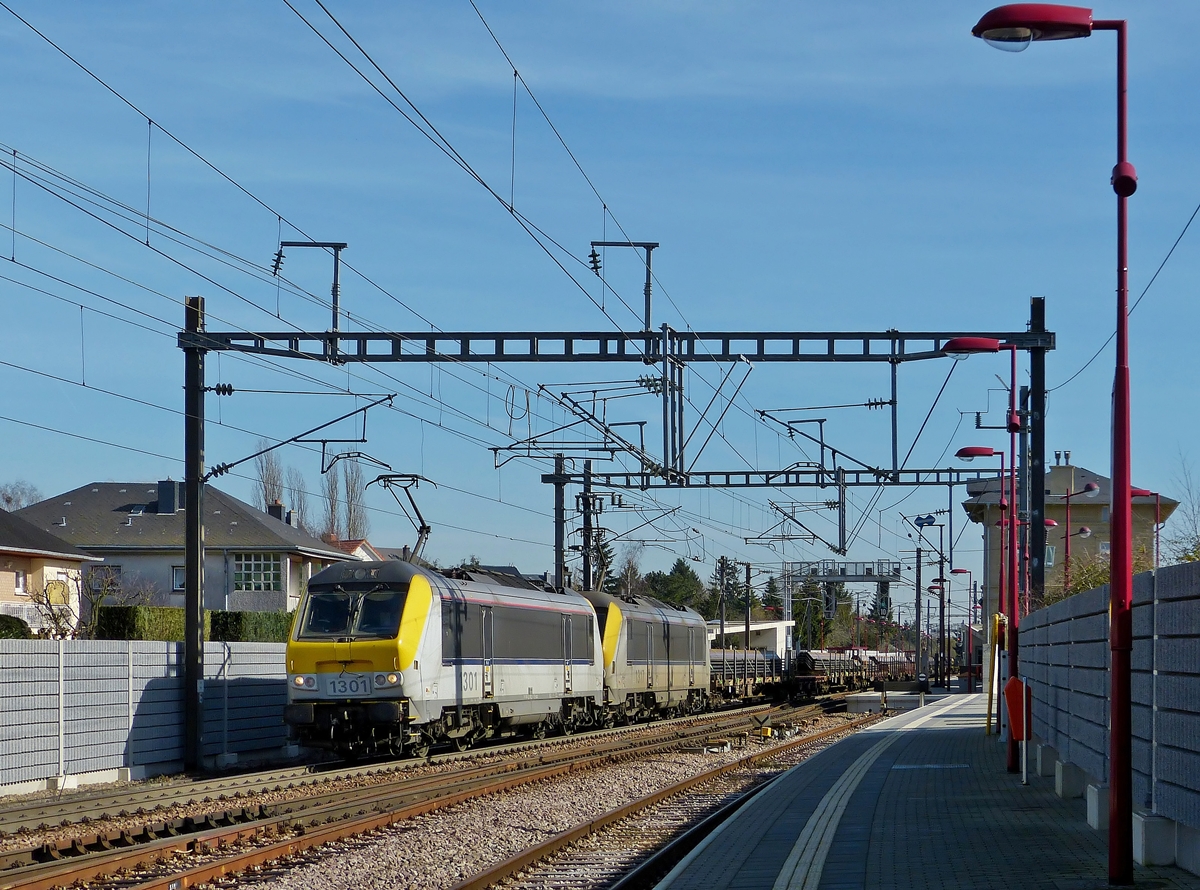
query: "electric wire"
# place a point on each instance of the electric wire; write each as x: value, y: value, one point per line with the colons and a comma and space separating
x: 1153, y: 277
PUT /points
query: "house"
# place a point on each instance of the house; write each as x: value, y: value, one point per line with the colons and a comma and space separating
x: 358, y: 549
x: 33, y: 561
x: 1087, y: 534
x: 252, y: 560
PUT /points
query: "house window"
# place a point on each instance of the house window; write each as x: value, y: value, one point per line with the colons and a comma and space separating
x: 1049, y: 556
x: 257, y: 571
x: 1105, y: 547
x: 19, y: 583
x: 104, y: 579
x: 177, y: 579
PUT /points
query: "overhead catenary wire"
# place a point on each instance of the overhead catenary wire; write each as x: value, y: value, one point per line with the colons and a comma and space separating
x: 733, y: 448
x: 151, y: 123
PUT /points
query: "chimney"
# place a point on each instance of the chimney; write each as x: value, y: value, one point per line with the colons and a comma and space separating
x: 276, y: 509
x: 1067, y: 458
x: 170, y: 496
x: 291, y: 519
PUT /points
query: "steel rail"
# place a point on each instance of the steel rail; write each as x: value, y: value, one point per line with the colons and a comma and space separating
x: 349, y: 817
x: 49, y: 812
x: 526, y: 858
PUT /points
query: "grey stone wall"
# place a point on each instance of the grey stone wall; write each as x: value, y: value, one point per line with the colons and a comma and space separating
x: 79, y: 706
x: 1064, y: 655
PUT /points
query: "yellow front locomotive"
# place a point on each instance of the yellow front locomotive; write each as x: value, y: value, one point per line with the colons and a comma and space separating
x: 353, y: 655
x: 394, y: 658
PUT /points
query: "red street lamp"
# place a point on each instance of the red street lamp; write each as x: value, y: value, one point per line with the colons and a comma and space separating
x: 970, y: 630
x: 969, y: 453
x: 1014, y: 27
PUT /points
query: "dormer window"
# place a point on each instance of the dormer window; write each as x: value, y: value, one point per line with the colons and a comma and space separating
x: 137, y: 509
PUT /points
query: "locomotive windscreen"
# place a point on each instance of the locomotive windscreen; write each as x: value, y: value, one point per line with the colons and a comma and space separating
x: 354, y: 614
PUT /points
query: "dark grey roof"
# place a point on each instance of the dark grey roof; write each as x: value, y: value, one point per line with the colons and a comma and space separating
x: 17, y: 535
x: 106, y: 516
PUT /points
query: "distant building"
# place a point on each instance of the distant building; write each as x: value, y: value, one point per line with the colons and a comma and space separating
x: 1086, y: 512
x: 358, y: 549
x: 252, y: 560
x: 34, y: 561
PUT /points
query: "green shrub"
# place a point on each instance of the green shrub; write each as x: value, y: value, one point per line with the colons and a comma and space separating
x: 166, y: 623
x: 163, y: 623
x: 251, y: 627
x: 13, y: 628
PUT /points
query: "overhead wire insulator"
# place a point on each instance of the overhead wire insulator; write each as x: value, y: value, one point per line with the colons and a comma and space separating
x: 223, y: 389
x: 278, y: 264
x: 594, y: 261
x: 651, y: 383
x: 878, y: 403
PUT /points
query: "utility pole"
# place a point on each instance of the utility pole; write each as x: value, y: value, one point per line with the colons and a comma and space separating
x: 193, y: 546
x: 559, y: 479
x: 1037, y: 452
x: 920, y: 648
x: 943, y: 645
x: 746, y: 645
x: 587, y: 525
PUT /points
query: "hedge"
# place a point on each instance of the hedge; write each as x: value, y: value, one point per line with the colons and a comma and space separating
x: 13, y: 628
x: 251, y: 627
x: 166, y: 623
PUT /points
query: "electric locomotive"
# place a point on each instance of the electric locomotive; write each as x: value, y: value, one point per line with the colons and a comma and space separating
x: 393, y: 658
x: 390, y: 658
x: 655, y: 657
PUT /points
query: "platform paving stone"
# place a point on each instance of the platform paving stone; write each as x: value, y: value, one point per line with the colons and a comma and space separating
x: 935, y: 809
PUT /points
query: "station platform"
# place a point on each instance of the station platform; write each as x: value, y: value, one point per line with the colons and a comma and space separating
x: 920, y: 800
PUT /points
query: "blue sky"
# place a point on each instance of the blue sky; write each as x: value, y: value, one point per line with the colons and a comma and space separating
x: 848, y: 167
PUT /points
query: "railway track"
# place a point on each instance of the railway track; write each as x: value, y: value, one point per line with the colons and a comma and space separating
x: 25, y: 815
x: 635, y: 846
x: 290, y: 826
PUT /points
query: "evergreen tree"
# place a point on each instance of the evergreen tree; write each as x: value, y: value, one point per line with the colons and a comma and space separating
x: 772, y: 599
x: 681, y: 586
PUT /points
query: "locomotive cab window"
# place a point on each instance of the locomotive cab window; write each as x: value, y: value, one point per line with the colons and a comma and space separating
x: 360, y: 614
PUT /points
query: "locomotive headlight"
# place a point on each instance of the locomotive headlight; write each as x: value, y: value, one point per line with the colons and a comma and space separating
x: 385, y: 680
x: 304, y: 681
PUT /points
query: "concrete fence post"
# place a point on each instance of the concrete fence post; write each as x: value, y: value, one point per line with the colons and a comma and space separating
x: 62, y: 710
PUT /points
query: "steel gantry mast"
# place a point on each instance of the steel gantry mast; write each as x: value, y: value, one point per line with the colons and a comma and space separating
x: 671, y: 350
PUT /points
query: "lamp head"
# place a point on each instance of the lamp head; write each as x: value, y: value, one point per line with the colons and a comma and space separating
x: 1091, y: 490
x: 1140, y: 493
x: 1050, y: 523
x: 1013, y: 27
x: 960, y: 571
x: 1085, y: 532
x: 959, y: 348
x: 970, y: 452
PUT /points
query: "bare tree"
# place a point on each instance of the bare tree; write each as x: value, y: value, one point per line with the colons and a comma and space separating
x: 630, y: 571
x: 298, y: 498
x: 18, y: 494
x: 270, y: 476
x: 331, y: 491
x: 70, y: 608
x: 358, y: 524
x: 1183, y: 541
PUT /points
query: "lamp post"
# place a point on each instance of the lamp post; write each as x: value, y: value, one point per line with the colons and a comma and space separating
x: 1014, y: 27
x: 970, y: 630
x: 970, y: 453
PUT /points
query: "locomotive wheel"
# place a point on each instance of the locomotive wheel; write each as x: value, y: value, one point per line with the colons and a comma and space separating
x: 420, y: 752
x: 462, y: 743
